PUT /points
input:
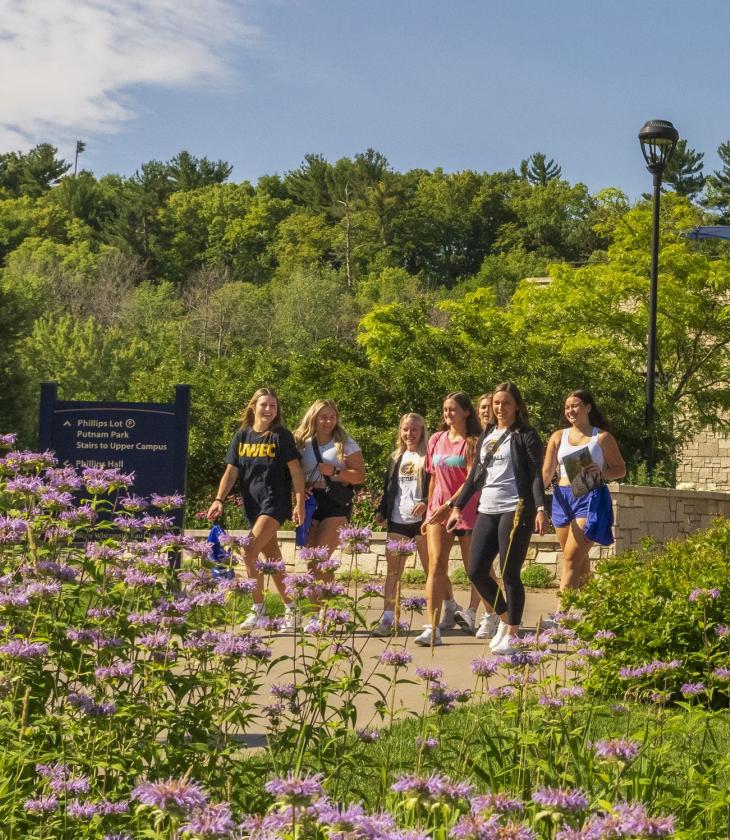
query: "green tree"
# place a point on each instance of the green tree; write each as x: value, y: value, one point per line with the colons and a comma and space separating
x: 684, y: 171
x: 718, y: 184
x: 31, y: 173
x: 538, y: 170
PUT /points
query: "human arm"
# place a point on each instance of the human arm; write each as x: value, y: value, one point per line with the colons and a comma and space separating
x: 381, y: 514
x: 550, y: 464
x: 297, y: 479
x: 227, y: 481
x: 534, y: 454
x: 614, y: 466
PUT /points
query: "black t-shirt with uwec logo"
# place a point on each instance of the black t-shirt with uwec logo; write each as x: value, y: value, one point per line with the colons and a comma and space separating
x: 264, y: 479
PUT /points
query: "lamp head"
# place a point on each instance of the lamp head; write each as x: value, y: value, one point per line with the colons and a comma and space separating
x: 658, y: 139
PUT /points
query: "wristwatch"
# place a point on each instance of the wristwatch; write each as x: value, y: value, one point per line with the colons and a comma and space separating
x: 541, y: 508
x: 450, y: 503
x: 336, y: 471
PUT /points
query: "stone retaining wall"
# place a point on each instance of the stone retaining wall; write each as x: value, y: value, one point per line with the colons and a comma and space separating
x: 639, y: 512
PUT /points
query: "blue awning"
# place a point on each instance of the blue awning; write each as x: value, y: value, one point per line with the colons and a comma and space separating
x: 710, y: 232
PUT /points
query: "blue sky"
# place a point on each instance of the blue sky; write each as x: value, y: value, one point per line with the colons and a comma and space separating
x: 467, y: 84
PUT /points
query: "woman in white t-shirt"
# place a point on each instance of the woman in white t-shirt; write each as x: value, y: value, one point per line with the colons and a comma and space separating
x: 332, y: 463
x: 403, y: 506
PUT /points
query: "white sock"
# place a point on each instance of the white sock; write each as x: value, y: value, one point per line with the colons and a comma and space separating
x: 257, y: 608
x: 451, y: 603
x: 388, y: 616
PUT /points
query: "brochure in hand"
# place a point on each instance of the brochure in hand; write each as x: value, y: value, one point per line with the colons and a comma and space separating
x: 581, y: 482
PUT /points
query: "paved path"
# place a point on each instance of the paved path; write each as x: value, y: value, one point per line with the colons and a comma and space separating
x: 454, y: 657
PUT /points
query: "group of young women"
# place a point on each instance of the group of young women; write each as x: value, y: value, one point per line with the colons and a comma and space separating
x: 479, y: 479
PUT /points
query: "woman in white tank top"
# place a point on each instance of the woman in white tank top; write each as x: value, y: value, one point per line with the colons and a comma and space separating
x: 585, y: 455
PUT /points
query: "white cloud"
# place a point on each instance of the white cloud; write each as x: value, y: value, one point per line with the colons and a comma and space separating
x: 67, y: 66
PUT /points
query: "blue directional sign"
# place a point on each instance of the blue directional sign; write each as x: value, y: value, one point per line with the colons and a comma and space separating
x: 148, y: 439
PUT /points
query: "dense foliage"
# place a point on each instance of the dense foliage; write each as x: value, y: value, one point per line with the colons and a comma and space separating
x: 381, y: 289
x: 672, y: 605
x: 127, y: 694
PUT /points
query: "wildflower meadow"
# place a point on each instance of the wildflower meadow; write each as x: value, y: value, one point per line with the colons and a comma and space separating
x: 134, y: 706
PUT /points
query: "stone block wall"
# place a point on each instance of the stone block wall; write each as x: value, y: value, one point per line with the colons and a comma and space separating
x: 704, y: 463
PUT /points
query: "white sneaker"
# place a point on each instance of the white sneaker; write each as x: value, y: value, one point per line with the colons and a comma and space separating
x: 466, y: 619
x: 499, y: 634
x: 506, y: 645
x: 290, y: 623
x: 383, y: 630
x: 488, y: 626
x: 447, y: 619
x: 424, y: 640
x: 252, y: 619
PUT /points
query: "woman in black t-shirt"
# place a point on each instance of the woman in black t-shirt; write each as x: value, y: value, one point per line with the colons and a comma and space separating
x: 264, y: 460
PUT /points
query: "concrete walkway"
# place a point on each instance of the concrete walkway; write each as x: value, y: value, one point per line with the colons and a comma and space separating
x: 454, y: 658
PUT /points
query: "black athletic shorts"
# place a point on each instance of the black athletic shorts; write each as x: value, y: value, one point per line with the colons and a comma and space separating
x: 327, y: 508
x: 410, y: 530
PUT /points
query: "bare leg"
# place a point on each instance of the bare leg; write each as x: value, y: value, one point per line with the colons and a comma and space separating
x: 272, y: 551
x: 395, y: 563
x: 326, y: 532
x: 576, y: 563
x: 439, y: 548
x: 262, y: 534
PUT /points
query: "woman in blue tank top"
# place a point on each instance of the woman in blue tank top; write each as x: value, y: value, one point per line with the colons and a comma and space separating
x: 586, y: 456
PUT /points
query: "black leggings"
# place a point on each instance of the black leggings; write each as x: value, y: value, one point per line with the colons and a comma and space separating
x: 491, y: 535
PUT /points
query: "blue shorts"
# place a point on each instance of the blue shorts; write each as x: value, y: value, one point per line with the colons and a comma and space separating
x: 595, y: 507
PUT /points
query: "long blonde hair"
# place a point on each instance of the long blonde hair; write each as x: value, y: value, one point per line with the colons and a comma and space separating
x: 249, y: 413
x: 307, y: 429
x: 400, y: 446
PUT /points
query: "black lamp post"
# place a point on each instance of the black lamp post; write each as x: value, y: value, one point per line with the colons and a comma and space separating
x: 658, y: 140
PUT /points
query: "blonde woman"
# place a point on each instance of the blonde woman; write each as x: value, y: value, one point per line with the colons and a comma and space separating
x: 263, y: 458
x: 403, y: 506
x: 332, y: 463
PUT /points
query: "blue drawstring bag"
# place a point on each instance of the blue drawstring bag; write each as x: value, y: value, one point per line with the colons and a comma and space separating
x: 310, y: 505
x: 221, y: 557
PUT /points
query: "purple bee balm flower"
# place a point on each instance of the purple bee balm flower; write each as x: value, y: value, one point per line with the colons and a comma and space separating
x: 314, y: 554
x: 604, y: 635
x: 285, y: 691
x: 118, y: 669
x: 62, y: 478
x: 12, y: 529
x: 55, y: 500
x: 237, y: 541
x: 430, y: 674
x: 402, y: 547
x: 121, y: 836
x: 110, y: 808
x: 296, y: 584
x: 502, y: 692
x: 368, y: 736
x: 133, y: 503
x: 571, y: 691
x: 42, y: 805
x: 171, y: 502
x: 330, y: 565
x: 692, y: 689
x: 32, y: 485
x: 292, y: 790
x: 355, y: 539
x: 500, y: 803
x: 98, y: 480
x: 413, y: 603
x: 8, y: 441
x: 78, y: 810
x: 160, y: 639
x: 157, y: 523
x: 471, y: 827
x: 24, y: 650
x: 178, y: 796
x: 704, y: 595
x: 86, y: 704
x: 551, y: 702
x: 136, y: 577
x: 721, y: 673
x: 60, y: 571
x: 396, y: 658
x: 57, y: 770
x: 271, y: 566
x: 562, y: 799
x: 722, y: 630
x: 621, y: 749
x: 213, y: 821
x: 427, y: 744
x: 485, y: 667
x: 70, y: 786
x: 373, y: 588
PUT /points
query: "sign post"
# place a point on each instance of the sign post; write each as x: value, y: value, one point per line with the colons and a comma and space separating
x: 148, y: 439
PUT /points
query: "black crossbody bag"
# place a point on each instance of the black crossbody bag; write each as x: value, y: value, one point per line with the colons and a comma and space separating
x: 480, y: 471
x: 338, y: 492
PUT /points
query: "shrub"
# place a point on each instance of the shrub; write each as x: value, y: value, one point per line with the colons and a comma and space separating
x: 413, y: 577
x: 459, y: 577
x: 537, y: 576
x: 669, y: 611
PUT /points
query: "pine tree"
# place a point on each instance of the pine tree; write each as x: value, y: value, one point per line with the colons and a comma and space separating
x: 684, y: 171
x: 718, y: 184
x: 538, y: 170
